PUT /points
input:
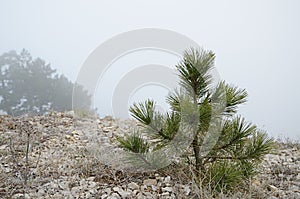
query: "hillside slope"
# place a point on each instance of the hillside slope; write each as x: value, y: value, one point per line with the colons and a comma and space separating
x: 60, y: 155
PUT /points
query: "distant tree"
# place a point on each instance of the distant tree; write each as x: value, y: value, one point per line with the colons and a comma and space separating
x: 30, y: 85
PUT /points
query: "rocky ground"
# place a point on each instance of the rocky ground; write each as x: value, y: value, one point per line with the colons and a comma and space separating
x: 61, y: 155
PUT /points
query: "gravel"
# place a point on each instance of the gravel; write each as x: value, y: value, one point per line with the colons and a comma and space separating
x: 73, y: 157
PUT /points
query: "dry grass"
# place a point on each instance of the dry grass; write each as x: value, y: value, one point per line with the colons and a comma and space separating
x: 40, y: 151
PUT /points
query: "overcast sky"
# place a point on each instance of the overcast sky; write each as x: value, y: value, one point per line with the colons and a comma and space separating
x: 256, y: 42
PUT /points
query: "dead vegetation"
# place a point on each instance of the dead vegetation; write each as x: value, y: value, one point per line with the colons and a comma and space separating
x: 47, y: 156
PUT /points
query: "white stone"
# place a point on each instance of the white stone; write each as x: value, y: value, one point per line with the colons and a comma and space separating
x: 280, y: 175
x: 149, y: 182
x: 7, y: 170
x: 295, y: 188
x: 116, y: 189
x: 115, y: 196
x: 272, y: 197
x: 65, y: 193
x: 296, y: 195
x: 93, y: 191
x: 135, y: 192
x: 154, y: 188
x: 92, y: 184
x: 21, y: 195
x: 272, y: 188
x: 107, y: 190
x: 88, y: 195
x: 167, y: 189
x: 124, y: 194
x: 90, y: 179
x: 165, y: 194
x: 298, y: 177
x: 167, y: 179
x: 133, y: 186
x: 104, y: 196
x: 149, y: 195
x: 160, y: 179
x: 187, y: 190
x: 143, y: 187
x: 74, y: 190
x: 140, y: 196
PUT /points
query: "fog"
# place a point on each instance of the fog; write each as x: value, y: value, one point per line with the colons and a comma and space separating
x: 257, y: 45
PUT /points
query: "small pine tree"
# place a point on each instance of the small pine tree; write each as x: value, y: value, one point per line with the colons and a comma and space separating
x: 224, y: 148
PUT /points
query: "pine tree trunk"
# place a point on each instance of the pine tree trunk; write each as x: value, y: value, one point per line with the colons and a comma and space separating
x: 196, y: 148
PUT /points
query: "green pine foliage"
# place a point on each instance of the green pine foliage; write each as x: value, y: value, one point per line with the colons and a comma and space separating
x: 226, y: 149
x: 134, y: 143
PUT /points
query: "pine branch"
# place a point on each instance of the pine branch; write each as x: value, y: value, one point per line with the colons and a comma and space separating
x: 143, y: 112
x: 194, y: 71
x: 234, y: 132
x: 234, y: 97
